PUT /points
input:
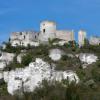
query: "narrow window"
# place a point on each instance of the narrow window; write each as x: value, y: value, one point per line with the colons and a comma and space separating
x: 35, y: 36
x: 43, y: 30
x: 24, y: 36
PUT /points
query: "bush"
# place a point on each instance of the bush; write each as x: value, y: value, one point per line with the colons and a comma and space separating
x: 81, y: 74
x: 72, y: 92
x: 96, y: 74
x: 65, y: 58
x: 48, y: 91
x: 3, y: 89
x: 27, y: 59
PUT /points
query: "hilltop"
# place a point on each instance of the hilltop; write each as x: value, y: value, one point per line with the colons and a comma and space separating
x: 50, y: 65
x: 52, y: 68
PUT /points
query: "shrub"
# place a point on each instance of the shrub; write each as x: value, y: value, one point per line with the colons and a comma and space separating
x: 26, y: 59
x: 81, y: 74
x: 96, y: 74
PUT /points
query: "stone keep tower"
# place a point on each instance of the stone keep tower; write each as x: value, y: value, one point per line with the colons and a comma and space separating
x: 81, y: 37
x: 47, y: 30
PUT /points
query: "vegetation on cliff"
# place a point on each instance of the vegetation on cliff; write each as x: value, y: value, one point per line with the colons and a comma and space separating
x: 88, y: 88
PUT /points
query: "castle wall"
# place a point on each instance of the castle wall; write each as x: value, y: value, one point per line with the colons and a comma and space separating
x: 94, y: 41
x: 47, y: 31
x: 24, y: 38
x: 65, y: 35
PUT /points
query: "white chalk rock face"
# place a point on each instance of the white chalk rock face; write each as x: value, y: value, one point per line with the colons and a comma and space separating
x: 15, y: 87
x: 6, y: 76
x: 60, y: 43
x: 55, y: 54
x: 7, y: 57
x: 70, y: 75
x: 19, y: 57
x: 88, y: 58
x: 29, y: 78
x: 2, y: 65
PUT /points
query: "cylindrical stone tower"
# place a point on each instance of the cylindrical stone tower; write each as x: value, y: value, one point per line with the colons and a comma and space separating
x: 47, y: 30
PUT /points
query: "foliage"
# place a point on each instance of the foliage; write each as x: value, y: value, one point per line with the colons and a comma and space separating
x: 26, y: 59
x: 11, y: 49
x: 57, y: 90
x: 48, y: 91
x: 3, y: 89
x: 81, y: 74
x: 86, y: 43
x: 96, y: 74
x: 91, y: 49
x: 68, y: 63
x: 72, y: 92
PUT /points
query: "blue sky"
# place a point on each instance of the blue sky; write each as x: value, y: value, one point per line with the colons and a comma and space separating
x: 20, y: 15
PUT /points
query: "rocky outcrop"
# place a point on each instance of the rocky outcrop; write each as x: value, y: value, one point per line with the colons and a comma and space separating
x: 88, y: 58
x: 27, y: 79
x: 5, y: 59
x: 55, y: 54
